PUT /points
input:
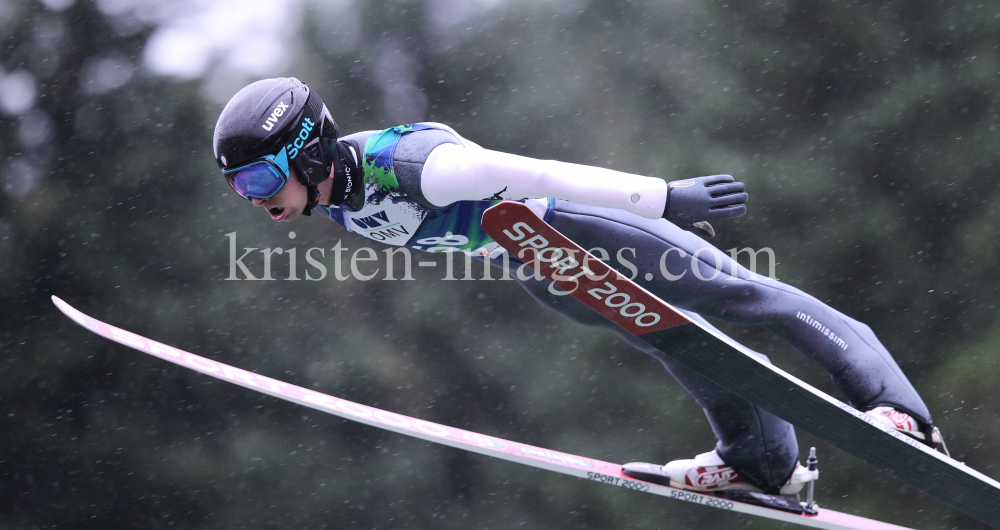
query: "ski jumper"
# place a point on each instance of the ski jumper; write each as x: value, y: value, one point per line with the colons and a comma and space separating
x: 426, y: 187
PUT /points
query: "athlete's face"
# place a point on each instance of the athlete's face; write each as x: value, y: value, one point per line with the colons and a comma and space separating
x: 288, y: 203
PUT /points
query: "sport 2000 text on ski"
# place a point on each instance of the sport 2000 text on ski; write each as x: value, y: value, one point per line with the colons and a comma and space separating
x: 571, y: 275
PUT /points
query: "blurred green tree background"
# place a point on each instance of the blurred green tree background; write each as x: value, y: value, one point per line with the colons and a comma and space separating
x: 867, y: 134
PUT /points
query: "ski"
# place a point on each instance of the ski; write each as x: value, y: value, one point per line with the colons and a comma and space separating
x: 525, y: 236
x: 568, y: 464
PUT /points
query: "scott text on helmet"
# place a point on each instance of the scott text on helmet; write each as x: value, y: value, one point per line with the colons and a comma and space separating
x: 293, y: 148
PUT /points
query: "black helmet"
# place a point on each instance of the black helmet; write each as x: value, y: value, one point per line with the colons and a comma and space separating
x: 274, y: 114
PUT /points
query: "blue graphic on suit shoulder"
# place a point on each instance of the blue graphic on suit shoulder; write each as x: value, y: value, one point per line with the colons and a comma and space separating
x: 402, y: 221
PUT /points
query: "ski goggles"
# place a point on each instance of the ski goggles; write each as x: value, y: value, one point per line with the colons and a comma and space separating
x: 261, y: 178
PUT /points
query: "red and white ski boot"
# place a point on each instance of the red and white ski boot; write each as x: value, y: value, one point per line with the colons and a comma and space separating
x: 908, y: 425
x: 707, y: 473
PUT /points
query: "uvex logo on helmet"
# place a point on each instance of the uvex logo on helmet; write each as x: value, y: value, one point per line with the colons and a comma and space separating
x: 293, y: 148
x: 275, y: 114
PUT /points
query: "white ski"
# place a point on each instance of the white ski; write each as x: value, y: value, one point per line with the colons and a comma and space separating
x: 573, y: 465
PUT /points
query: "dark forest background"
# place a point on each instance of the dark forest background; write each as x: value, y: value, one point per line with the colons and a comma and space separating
x: 867, y: 134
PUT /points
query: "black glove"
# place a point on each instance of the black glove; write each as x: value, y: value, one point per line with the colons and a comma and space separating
x: 703, y: 199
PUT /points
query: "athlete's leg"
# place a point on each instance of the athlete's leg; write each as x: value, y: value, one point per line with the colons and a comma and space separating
x: 759, y: 445
x: 858, y: 363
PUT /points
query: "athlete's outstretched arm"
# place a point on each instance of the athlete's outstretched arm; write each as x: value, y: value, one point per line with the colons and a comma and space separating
x: 455, y: 173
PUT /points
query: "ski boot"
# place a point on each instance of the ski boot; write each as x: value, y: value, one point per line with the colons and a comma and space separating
x: 904, y: 423
x: 707, y: 473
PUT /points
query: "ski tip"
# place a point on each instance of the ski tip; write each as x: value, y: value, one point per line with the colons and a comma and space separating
x: 66, y: 309
x: 62, y: 305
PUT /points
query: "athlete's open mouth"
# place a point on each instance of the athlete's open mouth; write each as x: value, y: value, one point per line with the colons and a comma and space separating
x: 276, y: 213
